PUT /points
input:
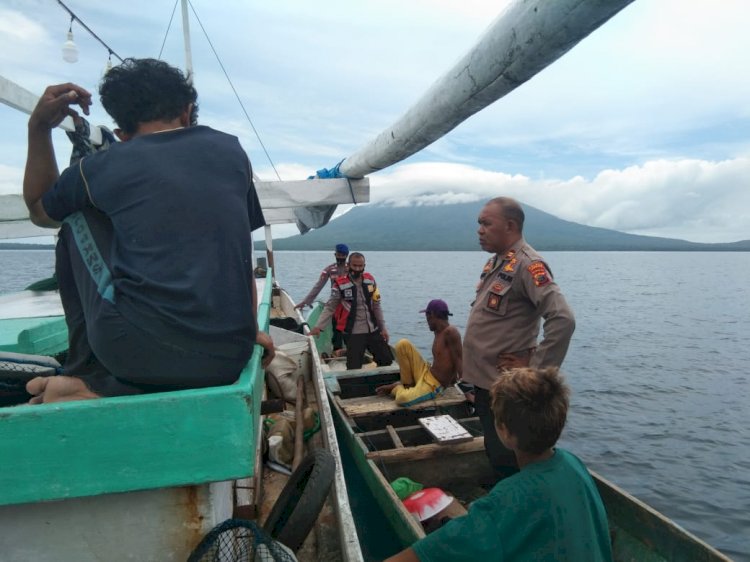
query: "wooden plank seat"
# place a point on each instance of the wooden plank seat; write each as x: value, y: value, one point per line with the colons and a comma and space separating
x: 368, y: 405
x: 336, y: 375
x: 367, y: 371
x: 425, y: 452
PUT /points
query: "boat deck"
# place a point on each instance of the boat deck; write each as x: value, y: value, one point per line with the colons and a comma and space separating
x: 369, y: 405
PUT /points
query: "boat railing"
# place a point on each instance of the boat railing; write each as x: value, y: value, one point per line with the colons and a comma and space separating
x: 120, y: 444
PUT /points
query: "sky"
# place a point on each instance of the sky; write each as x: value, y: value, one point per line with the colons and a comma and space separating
x: 643, y: 127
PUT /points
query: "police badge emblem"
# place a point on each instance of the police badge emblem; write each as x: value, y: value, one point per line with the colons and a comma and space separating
x: 493, y: 301
x: 539, y: 274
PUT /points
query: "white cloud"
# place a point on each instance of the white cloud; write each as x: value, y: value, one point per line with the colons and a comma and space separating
x: 690, y: 199
x: 16, y: 27
x: 644, y: 126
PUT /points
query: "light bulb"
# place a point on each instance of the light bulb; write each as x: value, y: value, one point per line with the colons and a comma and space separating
x: 69, y: 49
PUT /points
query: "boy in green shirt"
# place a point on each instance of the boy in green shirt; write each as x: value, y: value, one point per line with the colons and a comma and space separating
x: 550, y: 510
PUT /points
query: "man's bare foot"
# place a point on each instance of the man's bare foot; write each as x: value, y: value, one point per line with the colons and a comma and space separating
x: 386, y: 388
x: 45, y: 390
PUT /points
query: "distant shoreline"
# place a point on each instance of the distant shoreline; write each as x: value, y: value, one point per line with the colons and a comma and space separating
x: 19, y: 246
x: 259, y: 247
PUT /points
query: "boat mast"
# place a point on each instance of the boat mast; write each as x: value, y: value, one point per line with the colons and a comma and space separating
x: 186, y: 41
x: 190, y: 75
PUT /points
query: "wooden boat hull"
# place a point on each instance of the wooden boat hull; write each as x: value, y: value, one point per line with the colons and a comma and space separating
x: 387, y: 443
x: 146, y: 477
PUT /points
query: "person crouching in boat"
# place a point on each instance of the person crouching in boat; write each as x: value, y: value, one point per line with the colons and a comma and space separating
x: 421, y: 381
x: 550, y: 510
x: 154, y: 256
x: 355, y: 299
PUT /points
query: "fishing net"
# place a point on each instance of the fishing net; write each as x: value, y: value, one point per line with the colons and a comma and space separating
x: 239, y: 540
x: 16, y: 369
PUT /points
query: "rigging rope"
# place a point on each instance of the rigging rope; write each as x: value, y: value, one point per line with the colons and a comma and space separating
x: 221, y: 65
x: 236, y: 95
x: 169, y: 26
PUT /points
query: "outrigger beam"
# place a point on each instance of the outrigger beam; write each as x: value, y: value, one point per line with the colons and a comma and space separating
x: 527, y: 37
x: 20, y: 98
x: 280, y: 198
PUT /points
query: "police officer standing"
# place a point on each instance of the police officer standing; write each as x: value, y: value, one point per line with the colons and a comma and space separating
x: 356, y: 299
x: 330, y: 273
x: 515, y: 291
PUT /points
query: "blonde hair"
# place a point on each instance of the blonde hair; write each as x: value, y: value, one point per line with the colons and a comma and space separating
x: 532, y: 404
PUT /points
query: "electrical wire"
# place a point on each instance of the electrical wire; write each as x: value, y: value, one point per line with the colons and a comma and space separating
x: 86, y: 27
x: 221, y: 65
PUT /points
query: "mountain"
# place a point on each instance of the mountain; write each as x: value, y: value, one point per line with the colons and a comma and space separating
x: 453, y: 227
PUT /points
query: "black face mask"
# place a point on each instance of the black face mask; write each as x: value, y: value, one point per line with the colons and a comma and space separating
x: 340, y: 261
x: 356, y: 274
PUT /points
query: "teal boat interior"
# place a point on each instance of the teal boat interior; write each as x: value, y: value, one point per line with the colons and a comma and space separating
x: 122, y: 444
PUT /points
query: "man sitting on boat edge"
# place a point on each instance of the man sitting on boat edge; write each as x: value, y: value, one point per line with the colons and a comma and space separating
x: 421, y: 381
x: 154, y: 256
x: 550, y: 510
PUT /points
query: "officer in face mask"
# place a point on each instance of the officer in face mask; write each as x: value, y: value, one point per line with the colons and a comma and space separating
x: 355, y: 307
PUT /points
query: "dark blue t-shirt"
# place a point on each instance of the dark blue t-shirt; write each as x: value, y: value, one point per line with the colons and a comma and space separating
x: 182, y: 205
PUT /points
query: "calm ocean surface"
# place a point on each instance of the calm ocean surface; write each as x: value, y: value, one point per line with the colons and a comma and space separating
x: 659, y: 364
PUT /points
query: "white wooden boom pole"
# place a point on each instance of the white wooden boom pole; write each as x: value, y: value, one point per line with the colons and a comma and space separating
x: 528, y: 36
x: 20, y: 98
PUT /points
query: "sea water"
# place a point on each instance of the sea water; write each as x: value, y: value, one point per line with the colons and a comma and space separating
x: 658, y: 364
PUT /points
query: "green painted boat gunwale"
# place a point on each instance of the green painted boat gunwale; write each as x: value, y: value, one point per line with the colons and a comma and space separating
x: 120, y: 444
x: 635, y: 524
x: 35, y: 336
x: 323, y: 341
x: 405, y: 528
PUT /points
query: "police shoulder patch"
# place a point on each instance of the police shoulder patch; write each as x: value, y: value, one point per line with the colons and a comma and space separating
x: 539, y: 273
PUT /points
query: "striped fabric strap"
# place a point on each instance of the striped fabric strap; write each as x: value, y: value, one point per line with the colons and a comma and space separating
x: 91, y: 256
